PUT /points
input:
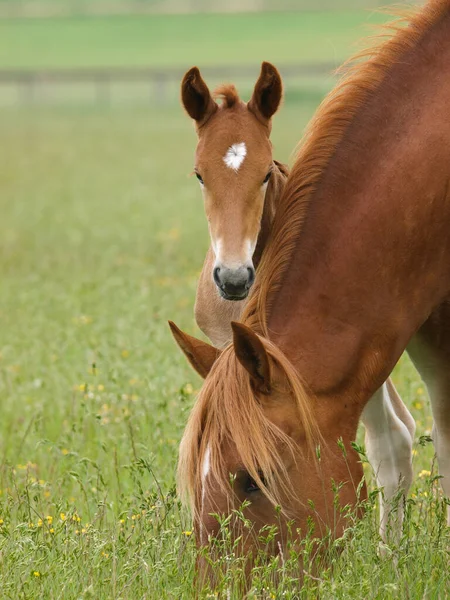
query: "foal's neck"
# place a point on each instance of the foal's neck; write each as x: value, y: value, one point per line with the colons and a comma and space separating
x: 373, y: 257
x: 273, y: 194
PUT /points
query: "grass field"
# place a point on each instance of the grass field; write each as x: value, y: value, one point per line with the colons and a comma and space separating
x: 102, y: 235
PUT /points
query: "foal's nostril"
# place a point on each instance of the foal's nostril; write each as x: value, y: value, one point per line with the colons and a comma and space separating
x: 216, y: 276
x: 251, y: 277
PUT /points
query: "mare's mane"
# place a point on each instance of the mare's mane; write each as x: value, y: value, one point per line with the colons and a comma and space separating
x: 320, y: 143
x: 226, y: 409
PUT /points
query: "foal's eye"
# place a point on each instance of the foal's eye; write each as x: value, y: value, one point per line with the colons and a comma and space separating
x: 199, y: 177
x: 251, y: 486
x: 267, y: 177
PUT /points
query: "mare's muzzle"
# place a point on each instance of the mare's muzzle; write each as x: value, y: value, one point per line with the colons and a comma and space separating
x: 234, y: 284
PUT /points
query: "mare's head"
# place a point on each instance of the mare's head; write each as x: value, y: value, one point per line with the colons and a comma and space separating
x: 253, y: 435
x: 233, y: 164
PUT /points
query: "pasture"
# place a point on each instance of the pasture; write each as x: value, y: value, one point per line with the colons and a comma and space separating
x: 102, y: 237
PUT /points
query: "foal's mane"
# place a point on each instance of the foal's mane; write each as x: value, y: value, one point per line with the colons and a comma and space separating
x: 228, y: 93
x: 321, y: 140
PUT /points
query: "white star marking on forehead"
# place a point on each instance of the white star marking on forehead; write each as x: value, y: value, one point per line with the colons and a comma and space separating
x: 235, y: 156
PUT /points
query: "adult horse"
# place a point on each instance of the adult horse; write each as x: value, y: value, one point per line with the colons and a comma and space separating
x: 357, y: 269
x: 241, y: 184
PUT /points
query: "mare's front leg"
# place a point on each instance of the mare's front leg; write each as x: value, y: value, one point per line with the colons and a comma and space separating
x: 212, y: 313
x: 389, y: 439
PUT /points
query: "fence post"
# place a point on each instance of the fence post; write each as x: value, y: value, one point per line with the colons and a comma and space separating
x: 160, y: 88
x: 103, y: 87
x: 26, y: 88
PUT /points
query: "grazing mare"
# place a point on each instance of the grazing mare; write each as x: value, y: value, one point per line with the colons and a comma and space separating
x: 357, y: 269
x: 230, y: 197
x: 241, y: 185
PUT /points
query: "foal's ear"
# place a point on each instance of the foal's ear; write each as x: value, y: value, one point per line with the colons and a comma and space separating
x: 252, y: 355
x: 201, y: 355
x: 195, y: 96
x: 267, y: 93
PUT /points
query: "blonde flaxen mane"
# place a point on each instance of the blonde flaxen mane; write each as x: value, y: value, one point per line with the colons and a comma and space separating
x: 226, y: 409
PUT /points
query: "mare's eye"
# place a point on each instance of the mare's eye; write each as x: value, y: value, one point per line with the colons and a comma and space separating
x: 267, y: 177
x: 250, y: 484
x: 199, y: 177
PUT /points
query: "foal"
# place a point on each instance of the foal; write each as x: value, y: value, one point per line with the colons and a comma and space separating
x: 241, y: 185
x: 229, y: 198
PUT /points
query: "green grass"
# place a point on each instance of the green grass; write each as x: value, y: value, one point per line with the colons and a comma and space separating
x: 102, y: 236
x: 181, y: 41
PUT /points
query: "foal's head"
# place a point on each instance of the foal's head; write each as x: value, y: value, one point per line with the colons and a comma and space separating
x: 253, y: 435
x: 233, y: 164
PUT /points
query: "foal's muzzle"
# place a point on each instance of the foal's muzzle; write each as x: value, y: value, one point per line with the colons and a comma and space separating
x: 234, y: 284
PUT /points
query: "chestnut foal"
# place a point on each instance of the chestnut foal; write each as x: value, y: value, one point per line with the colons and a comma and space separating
x: 356, y: 270
x: 232, y: 197
x: 241, y: 185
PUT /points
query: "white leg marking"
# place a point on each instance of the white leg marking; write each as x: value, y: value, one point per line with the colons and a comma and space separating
x: 434, y: 372
x: 441, y: 438
x: 235, y: 156
x: 389, y: 448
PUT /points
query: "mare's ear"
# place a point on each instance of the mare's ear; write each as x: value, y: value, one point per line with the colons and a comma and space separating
x: 195, y: 96
x: 201, y: 355
x: 252, y: 355
x: 267, y: 93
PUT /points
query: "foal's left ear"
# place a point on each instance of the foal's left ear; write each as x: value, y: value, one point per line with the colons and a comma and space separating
x: 252, y: 355
x: 201, y: 355
x: 267, y: 93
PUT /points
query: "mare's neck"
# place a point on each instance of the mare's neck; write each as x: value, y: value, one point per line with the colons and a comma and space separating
x: 373, y: 257
x: 274, y: 190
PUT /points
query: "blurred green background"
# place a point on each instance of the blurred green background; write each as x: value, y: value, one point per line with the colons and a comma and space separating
x: 121, y: 52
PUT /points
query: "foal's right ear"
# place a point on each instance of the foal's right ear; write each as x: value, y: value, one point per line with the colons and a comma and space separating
x: 201, y: 355
x: 267, y: 94
x: 196, y: 98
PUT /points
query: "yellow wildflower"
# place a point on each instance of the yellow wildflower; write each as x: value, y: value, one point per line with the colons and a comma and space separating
x: 64, y: 451
x: 62, y: 516
x: 36, y: 573
x: 1, y: 522
x: 188, y: 389
x: 49, y: 519
x: 418, y: 405
x: 187, y: 533
x: 125, y: 353
x: 100, y: 387
x: 40, y: 523
x: 52, y: 530
x: 424, y: 473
